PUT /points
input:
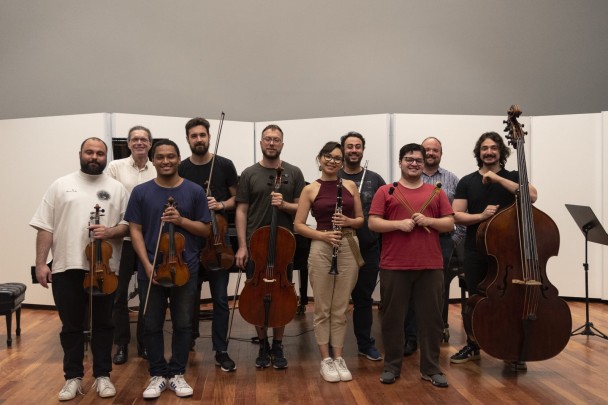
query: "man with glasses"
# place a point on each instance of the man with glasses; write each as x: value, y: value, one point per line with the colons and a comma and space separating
x: 432, y: 173
x: 410, y: 215
x: 353, y: 145
x: 479, y: 196
x: 130, y: 171
x: 256, y: 199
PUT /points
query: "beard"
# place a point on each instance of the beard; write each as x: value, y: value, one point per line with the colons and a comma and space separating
x: 200, y: 149
x: 353, y: 160
x: 273, y: 155
x: 433, y: 164
x: 94, y: 168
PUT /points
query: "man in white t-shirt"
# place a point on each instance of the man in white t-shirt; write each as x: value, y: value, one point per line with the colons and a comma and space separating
x: 64, y: 226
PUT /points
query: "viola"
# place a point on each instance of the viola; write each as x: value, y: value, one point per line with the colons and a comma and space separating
x: 101, y: 280
x: 518, y: 315
x: 216, y: 255
x: 268, y: 299
x: 172, y: 272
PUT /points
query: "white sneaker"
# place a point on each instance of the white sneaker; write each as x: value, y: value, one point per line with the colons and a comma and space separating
x: 180, y: 386
x: 104, y: 386
x: 156, y: 385
x: 328, y: 370
x: 342, y: 370
x: 70, y: 388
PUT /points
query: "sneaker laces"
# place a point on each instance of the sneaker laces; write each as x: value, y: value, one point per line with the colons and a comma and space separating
x: 102, y: 384
x: 69, y: 386
x: 340, y: 364
x: 328, y: 365
x: 156, y: 382
x: 179, y: 382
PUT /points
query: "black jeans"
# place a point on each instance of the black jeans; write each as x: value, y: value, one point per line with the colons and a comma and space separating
x: 218, y: 285
x: 122, y: 326
x: 362, y: 298
x: 71, y: 301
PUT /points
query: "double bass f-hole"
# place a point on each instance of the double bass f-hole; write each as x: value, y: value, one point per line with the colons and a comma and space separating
x: 101, y: 279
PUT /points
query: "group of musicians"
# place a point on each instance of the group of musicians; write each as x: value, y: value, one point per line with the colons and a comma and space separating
x: 159, y: 213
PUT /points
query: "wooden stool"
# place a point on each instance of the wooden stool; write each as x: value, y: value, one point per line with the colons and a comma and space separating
x: 11, y: 297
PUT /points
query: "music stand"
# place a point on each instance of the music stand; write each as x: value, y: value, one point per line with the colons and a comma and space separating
x: 594, y: 232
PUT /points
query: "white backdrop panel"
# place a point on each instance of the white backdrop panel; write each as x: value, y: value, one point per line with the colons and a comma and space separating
x: 39, y: 150
x: 236, y: 141
x: 556, y: 140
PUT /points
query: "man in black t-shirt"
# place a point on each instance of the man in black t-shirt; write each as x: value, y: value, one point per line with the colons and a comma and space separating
x: 479, y: 196
x: 221, y: 198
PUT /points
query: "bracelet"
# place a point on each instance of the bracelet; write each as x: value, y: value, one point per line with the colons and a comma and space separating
x: 223, y: 205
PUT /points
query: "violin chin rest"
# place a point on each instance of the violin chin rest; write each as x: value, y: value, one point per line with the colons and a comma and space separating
x: 165, y: 282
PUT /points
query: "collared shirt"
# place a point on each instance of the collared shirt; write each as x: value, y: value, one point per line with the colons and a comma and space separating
x: 126, y: 171
x: 448, y: 181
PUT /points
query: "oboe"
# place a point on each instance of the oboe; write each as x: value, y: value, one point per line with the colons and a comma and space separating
x: 334, y: 257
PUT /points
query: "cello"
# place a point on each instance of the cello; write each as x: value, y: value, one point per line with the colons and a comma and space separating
x: 268, y: 299
x: 518, y: 315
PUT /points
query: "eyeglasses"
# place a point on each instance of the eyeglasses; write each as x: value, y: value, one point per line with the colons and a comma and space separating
x: 138, y: 139
x: 411, y: 161
x: 328, y: 158
x: 269, y: 139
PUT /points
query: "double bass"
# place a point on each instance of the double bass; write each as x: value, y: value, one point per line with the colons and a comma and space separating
x: 518, y: 315
x: 268, y: 299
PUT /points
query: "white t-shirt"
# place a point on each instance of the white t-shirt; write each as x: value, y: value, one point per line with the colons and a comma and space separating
x: 66, y: 209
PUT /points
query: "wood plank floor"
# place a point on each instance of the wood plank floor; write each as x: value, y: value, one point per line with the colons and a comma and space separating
x: 31, y: 370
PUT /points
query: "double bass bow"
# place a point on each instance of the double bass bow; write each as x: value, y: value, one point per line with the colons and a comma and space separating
x: 216, y: 255
x: 268, y: 299
x: 518, y: 315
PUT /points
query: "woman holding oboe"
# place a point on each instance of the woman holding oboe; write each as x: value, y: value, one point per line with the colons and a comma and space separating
x: 334, y: 258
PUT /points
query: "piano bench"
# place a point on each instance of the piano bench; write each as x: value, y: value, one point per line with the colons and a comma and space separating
x: 11, y: 297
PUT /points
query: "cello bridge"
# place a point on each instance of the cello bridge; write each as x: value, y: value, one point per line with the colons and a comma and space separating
x: 269, y: 280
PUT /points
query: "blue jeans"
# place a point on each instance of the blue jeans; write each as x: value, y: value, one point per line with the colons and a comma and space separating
x: 218, y: 285
x: 179, y: 301
x: 447, y: 249
x: 362, y: 298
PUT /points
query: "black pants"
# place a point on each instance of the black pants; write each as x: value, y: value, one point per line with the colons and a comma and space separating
x: 362, y: 298
x: 71, y: 301
x: 122, y: 331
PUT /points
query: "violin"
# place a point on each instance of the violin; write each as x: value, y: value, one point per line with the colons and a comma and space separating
x: 101, y: 280
x: 518, y: 315
x: 268, y: 299
x: 172, y: 271
x: 216, y: 255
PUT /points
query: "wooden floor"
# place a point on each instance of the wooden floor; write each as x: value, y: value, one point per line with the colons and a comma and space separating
x: 31, y: 370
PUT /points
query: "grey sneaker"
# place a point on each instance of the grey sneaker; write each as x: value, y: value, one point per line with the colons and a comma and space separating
x: 70, y: 389
x: 438, y: 380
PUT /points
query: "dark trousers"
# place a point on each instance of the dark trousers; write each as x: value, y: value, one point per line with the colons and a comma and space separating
x: 475, y: 270
x: 179, y: 301
x: 122, y: 326
x: 362, y: 298
x: 218, y: 285
x: 447, y: 249
x: 71, y: 301
x: 425, y: 288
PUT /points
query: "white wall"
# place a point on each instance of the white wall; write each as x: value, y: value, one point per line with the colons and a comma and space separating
x: 565, y: 156
x: 36, y: 152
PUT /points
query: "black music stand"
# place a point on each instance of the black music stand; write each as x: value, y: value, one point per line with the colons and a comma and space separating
x: 594, y: 232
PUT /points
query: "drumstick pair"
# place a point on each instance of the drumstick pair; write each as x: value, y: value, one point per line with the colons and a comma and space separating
x: 405, y: 204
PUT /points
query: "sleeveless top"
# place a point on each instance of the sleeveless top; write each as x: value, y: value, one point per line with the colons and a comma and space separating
x: 324, y: 205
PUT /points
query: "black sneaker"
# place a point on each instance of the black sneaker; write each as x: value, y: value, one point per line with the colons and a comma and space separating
x: 224, y: 361
x: 410, y: 347
x: 276, y: 354
x: 467, y: 353
x: 263, y: 359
